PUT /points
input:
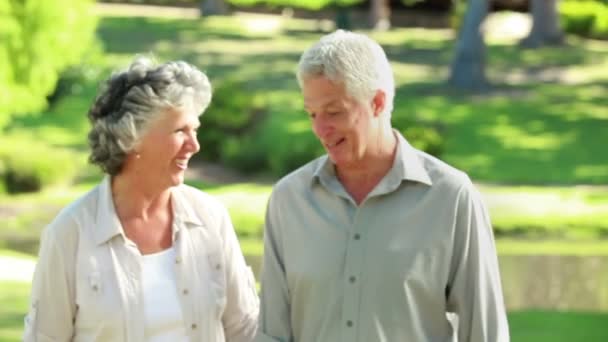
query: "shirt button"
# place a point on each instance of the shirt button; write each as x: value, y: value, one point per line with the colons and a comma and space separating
x: 352, y: 279
x: 185, y: 291
x: 357, y: 236
x: 349, y: 323
x: 218, y: 266
x: 193, y: 326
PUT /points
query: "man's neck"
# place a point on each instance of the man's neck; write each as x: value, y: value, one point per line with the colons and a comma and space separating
x: 361, y: 178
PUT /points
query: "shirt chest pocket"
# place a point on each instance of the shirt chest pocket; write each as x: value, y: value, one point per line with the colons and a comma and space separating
x: 97, y: 299
x: 217, y: 280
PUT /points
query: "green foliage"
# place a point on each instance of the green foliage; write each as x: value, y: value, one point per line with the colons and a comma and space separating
x: 40, y: 38
x: 586, y: 18
x: 226, y: 126
x: 29, y: 166
x: 306, y: 4
x: 457, y: 14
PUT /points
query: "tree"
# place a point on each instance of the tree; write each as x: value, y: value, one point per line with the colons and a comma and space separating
x: 40, y: 38
x: 380, y: 15
x: 468, y: 65
x: 545, y: 24
x: 339, y: 6
x: 213, y: 7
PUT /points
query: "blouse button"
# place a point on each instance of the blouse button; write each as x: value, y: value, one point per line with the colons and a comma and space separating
x: 178, y: 260
x: 193, y: 326
x: 218, y: 266
x: 185, y: 291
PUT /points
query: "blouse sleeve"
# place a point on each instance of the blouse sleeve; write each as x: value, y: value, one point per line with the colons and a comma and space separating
x: 52, y: 304
x: 242, y: 306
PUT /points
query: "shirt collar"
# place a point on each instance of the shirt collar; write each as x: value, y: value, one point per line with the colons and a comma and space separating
x: 408, y: 163
x: 406, y: 166
x: 107, y: 224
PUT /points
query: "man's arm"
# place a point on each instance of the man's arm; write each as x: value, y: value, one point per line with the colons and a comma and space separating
x: 274, y: 324
x: 474, y: 290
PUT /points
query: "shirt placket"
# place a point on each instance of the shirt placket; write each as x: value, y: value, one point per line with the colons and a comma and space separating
x: 184, y: 275
x: 352, y: 278
x: 127, y: 266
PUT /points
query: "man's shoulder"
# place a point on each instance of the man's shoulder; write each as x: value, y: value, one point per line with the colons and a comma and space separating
x: 443, y: 175
x: 299, y: 178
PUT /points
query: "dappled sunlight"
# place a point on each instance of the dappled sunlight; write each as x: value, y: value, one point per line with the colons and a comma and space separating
x: 299, y: 126
x: 506, y: 27
x: 408, y: 72
x: 592, y: 171
x: 261, y: 24
x: 514, y: 137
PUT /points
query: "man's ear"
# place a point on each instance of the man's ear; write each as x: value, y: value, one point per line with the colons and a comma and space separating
x: 378, y: 102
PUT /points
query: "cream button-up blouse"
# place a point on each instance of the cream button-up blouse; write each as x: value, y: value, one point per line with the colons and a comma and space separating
x: 87, y: 283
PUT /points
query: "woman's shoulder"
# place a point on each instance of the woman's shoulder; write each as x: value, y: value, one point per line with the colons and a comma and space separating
x: 199, y: 197
x: 72, y: 216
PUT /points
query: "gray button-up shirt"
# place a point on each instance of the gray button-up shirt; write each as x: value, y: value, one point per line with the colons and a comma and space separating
x: 419, y: 248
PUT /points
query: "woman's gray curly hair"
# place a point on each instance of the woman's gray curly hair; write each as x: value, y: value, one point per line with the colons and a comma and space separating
x: 133, y: 98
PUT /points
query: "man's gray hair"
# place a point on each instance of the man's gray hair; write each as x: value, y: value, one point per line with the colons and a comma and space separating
x: 354, y: 60
x: 133, y: 98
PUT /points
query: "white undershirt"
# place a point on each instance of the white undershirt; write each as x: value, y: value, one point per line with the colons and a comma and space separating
x: 163, y: 314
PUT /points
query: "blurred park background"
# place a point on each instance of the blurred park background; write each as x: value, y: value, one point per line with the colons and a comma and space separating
x: 513, y: 92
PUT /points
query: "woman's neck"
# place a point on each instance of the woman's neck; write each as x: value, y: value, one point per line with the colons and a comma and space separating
x: 133, y: 198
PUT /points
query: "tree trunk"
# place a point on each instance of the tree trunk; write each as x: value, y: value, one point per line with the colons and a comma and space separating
x: 545, y: 24
x: 380, y: 15
x: 342, y: 18
x: 213, y: 7
x: 468, y: 66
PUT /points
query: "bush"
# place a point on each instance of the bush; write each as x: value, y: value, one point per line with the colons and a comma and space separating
x: 238, y: 132
x: 585, y: 18
x: 40, y: 38
x: 28, y: 166
x: 226, y: 126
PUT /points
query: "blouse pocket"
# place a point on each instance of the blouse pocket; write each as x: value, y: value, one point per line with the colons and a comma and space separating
x: 218, y: 284
x: 95, y: 303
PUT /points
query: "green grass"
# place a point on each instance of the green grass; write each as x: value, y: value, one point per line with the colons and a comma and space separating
x: 13, y: 305
x: 525, y: 326
x: 555, y: 326
x: 573, y: 219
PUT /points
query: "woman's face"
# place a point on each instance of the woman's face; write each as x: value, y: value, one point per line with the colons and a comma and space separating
x: 166, y: 147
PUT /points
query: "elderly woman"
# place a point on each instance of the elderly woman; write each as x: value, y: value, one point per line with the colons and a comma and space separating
x: 143, y: 257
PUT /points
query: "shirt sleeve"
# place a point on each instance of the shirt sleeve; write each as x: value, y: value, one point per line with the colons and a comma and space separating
x: 242, y: 305
x: 52, y: 305
x: 474, y: 292
x: 275, y: 324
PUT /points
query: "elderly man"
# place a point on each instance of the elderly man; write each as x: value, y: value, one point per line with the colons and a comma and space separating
x: 375, y: 241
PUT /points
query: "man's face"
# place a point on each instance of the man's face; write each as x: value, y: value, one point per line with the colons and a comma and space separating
x: 343, y: 125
